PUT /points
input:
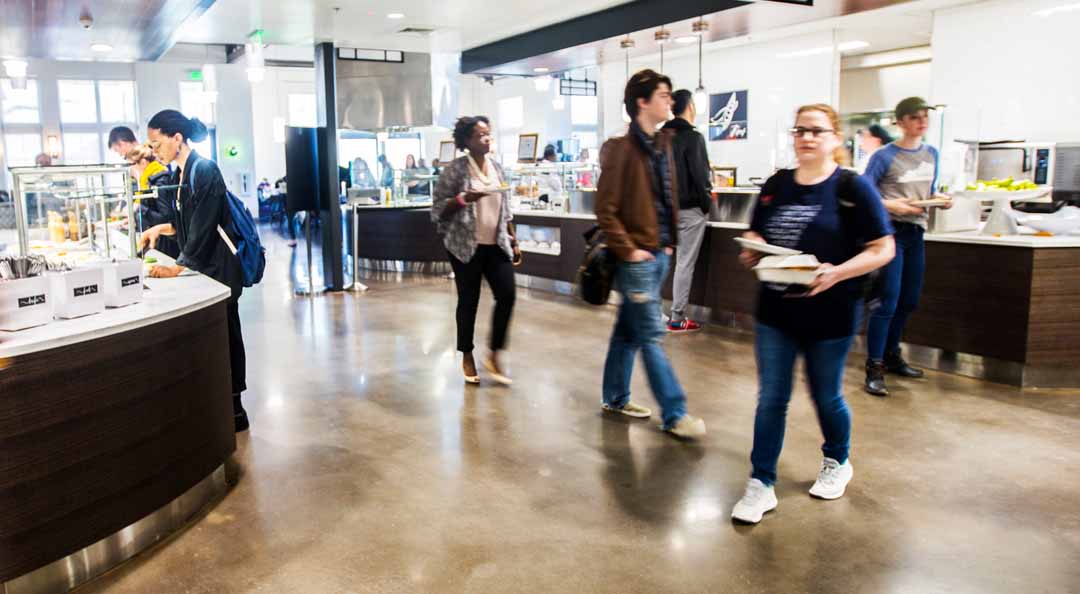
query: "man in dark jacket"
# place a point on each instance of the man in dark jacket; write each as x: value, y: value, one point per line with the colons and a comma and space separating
x: 695, y: 200
x: 636, y: 208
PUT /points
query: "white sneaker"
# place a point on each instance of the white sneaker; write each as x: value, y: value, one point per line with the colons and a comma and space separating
x: 687, y: 427
x: 833, y: 479
x: 758, y: 500
x: 630, y: 410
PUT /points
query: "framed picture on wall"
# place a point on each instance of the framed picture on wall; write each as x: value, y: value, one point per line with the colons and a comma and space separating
x: 728, y: 119
x: 446, y: 151
x: 527, y: 144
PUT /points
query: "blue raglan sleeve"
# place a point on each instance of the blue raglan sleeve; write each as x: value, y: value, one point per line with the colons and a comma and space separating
x: 937, y: 169
x: 878, y: 166
x: 871, y: 218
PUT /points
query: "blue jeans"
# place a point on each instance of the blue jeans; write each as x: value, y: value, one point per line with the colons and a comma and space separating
x: 776, y: 352
x: 901, y: 285
x: 639, y: 327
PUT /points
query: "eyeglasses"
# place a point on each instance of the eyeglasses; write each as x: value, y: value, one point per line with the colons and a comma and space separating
x: 800, y: 132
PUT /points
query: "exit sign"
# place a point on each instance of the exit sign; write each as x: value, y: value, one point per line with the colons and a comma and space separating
x: 195, y: 75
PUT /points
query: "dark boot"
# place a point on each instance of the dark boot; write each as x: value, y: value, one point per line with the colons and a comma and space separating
x: 875, y: 378
x: 895, y: 363
x: 240, y: 418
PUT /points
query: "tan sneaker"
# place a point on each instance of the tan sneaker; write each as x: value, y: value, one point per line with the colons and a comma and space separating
x: 630, y: 410
x: 687, y: 427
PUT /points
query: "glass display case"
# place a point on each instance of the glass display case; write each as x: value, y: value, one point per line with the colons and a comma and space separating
x: 539, y: 239
x: 559, y: 187
x: 73, y: 213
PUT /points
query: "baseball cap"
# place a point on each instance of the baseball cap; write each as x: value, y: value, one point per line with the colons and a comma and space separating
x: 911, y: 106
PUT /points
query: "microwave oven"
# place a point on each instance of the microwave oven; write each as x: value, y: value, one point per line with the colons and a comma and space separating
x: 1053, y: 164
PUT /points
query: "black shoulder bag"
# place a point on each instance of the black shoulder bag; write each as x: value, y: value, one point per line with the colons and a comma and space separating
x: 870, y: 283
x: 597, y: 271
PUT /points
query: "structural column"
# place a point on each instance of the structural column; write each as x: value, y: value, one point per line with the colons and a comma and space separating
x: 329, y: 186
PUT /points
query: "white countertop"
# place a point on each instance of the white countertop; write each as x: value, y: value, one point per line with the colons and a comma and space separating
x: 736, y: 190
x: 167, y: 298
x: 583, y: 216
x: 1026, y: 239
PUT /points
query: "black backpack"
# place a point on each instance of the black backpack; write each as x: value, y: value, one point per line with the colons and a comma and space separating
x: 596, y: 274
x: 870, y: 284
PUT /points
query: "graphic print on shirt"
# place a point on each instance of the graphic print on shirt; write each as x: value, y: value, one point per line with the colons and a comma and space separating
x: 924, y: 173
x: 786, y: 227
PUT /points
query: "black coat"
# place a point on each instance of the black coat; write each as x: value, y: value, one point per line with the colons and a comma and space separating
x: 691, y: 166
x: 198, y: 215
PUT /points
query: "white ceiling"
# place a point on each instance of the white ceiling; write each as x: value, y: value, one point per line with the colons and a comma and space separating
x: 459, y: 24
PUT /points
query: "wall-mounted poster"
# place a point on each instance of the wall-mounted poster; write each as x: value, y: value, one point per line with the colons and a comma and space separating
x: 527, y: 144
x: 446, y: 151
x: 728, y: 115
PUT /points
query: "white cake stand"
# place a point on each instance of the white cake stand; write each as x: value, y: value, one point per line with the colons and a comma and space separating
x: 1002, y: 221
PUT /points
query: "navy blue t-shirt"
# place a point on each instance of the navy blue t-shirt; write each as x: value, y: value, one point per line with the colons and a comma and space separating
x: 817, y: 220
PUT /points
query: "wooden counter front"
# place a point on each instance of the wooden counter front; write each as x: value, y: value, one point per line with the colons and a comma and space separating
x: 98, y: 434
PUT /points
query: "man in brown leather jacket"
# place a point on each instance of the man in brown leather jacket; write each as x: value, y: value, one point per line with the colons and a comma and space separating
x: 637, y: 208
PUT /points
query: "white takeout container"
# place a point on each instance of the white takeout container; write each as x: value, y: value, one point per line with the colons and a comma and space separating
x: 123, y: 282
x: 788, y: 270
x: 25, y: 303
x: 77, y: 293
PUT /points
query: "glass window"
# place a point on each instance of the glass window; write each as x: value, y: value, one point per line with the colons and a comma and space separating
x: 117, y: 100
x: 78, y: 102
x: 110, y: 156
x: 20, y: 106
x: 302, y: 110
x: 511, y: 113
x: 21, y: 149
x: 195, y: 103
x: 588, y: 140
x: 584, y: 111
x: 82, y: 148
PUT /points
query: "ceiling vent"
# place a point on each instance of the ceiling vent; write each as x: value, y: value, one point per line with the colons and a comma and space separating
x: 417, y: 31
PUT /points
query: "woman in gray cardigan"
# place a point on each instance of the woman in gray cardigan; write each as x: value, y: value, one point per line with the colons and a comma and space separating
x: 471, y: 211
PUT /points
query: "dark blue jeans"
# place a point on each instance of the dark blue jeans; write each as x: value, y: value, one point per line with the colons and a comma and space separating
x: 901, y: 286
x: 639, y: 328
x: 776, y: 351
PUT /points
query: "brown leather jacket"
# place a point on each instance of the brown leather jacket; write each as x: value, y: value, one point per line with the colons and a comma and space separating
x: 624, y: 195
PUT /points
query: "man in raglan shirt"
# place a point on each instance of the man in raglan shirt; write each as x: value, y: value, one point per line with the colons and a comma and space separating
x: 904, y: 171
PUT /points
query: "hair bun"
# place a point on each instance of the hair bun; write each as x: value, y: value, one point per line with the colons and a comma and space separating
x: 197, y: 131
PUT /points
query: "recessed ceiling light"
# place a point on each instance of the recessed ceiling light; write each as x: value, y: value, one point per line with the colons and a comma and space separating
x: 541, y: 69
x: 686, y: 39
x: 101, y: 48
x: 395, y: 15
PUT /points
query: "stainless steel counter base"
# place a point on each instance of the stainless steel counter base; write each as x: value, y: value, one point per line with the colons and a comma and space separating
x: 82, y: 566
x: 406, y: 266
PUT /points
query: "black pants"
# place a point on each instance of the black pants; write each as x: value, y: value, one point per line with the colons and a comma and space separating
x: 491, y: 263
x: 237, y: 357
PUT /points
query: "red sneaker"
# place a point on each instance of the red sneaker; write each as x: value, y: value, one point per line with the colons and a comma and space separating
x: 683, y: 326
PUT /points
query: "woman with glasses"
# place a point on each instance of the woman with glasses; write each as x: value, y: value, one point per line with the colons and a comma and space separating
x: 202, y: 212
x: 820, y: 209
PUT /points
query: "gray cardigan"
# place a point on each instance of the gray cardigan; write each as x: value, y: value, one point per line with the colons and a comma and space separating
x: 457, y: 226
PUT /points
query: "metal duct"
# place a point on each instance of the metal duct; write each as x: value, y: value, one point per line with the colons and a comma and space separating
x: 420, y: 91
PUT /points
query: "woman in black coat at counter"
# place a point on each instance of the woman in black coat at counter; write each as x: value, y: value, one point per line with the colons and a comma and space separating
x: 201, y: 212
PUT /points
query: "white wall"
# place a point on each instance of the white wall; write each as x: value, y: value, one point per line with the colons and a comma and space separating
x: 777, y: 87
x: 1004, y: 72
x: 880, y: 89
x: 269, y: 100
x: 158, y: 88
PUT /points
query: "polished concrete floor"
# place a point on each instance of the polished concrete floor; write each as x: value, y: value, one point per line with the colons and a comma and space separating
x: 371, y: 468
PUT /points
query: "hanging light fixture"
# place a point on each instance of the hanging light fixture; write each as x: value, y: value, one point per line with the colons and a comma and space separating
x: 627, y: 44
x: 256, y: 69
x: 16, y: 71
x: 662, y: 37
x: 701, y: 96
x: 559, y: 102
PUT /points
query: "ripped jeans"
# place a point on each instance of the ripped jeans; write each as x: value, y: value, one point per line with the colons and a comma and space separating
x: 639, y: 327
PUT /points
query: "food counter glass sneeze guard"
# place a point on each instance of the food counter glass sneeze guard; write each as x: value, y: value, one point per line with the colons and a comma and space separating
x: 74, y: 213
